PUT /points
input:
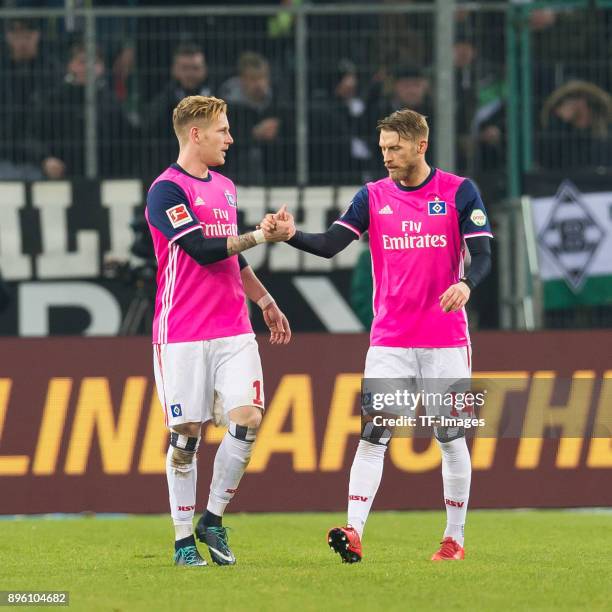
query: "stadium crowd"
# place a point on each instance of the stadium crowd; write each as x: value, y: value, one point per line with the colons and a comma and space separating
x: 145, y: 66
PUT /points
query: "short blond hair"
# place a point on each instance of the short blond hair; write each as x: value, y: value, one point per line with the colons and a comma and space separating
x: 194, y: 109
x: 407, y: 123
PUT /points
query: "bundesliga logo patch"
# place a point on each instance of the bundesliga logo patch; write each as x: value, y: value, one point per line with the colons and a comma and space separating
x: 231, y: 198
x: 178, y: 215
x: 437, y: 207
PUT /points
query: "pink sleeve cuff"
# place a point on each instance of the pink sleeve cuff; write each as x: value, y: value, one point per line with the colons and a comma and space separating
x: 476, y: 234
x: 184, y: 232
x: 343, y: 224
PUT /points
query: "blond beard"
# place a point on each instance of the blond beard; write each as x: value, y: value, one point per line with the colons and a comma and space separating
x: 404, y: 174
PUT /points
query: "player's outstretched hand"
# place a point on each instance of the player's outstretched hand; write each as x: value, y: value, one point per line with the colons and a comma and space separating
x: 455, y: 297
x: 282, y: 214
x: 285, y: 223
x: 268, y: 223
x: 279, y: 226
x: 280, y: 331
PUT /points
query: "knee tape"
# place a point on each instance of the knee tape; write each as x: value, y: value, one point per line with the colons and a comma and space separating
x: 375, y: 434
x: 184, y: 449
x: 448, y: 434
x: 242, y: 432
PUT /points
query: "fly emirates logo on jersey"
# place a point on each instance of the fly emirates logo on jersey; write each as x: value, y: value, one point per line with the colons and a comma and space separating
x: 218, y: 225
x: 412, y: 238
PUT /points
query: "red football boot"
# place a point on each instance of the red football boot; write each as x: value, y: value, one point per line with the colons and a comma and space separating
x: 346, y: 542
x: 449, y: 551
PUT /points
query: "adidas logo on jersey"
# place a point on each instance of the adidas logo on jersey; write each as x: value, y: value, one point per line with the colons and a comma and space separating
x: 387, y: 210
x: 199, y: 201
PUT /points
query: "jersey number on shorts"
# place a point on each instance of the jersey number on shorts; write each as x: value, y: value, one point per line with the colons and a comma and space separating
x: 257, y: 399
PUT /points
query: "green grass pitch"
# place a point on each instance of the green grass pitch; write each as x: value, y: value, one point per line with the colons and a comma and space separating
x: 546, y: 560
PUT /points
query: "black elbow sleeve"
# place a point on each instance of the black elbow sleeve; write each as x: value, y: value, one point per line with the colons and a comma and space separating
x: 203, y: 250
x: 480, y: 252
x: 326, y: 244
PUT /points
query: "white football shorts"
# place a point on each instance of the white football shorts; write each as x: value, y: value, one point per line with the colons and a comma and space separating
x: 434, y: 370
x: 420, y: 363
x: 204, y: 380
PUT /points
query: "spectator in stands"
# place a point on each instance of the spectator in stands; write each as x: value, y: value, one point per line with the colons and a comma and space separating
x: 411, y: 89
x: 576, y: 127
x: 123, y: 79
x: 252, y: 86
x: 566, y: 43
x: 260, y: 125
x: 339, y: 131
x: 59, y: 122
x: 408, y: 86
x: 489, y: 129
x: 24, y: 72
x: 189, y: 77
x: 466, y: 85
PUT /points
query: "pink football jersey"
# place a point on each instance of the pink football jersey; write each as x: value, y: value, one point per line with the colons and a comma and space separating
x: 416, y: 240
x: 194, y: 302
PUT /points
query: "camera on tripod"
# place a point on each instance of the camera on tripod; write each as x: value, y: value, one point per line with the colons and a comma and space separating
x: 140, y: 276
x: 142, y: 247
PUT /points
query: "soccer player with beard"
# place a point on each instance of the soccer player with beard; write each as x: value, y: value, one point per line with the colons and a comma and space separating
x: 419, y: 218
x: 206, y: 360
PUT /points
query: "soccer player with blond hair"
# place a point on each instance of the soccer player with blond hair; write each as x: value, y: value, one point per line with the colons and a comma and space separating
x: 419, y: 220
x: 206, y: 360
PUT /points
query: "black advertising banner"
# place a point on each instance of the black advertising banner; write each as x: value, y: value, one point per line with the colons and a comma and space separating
x: 81, y: 428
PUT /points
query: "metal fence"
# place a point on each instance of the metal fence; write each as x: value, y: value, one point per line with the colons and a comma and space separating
x: 561, y: 77
x: 508, y: 87
x: 90, y: 92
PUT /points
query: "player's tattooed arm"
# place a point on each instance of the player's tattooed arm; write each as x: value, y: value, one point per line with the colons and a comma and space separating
x: 268, y: 231
x: 210, y: 250
x: 237, y: 244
